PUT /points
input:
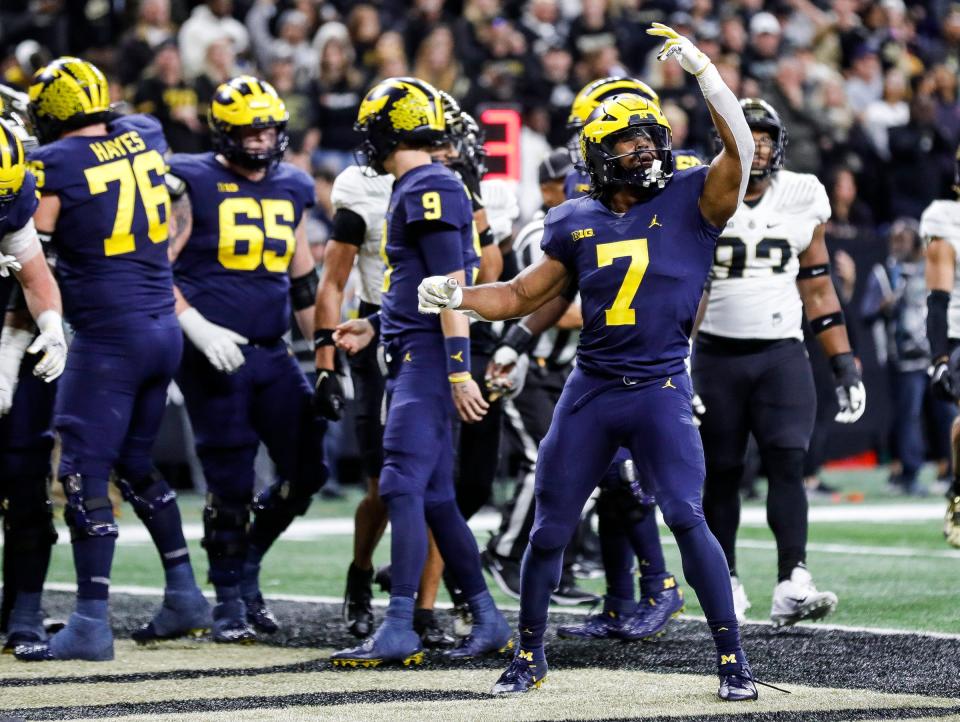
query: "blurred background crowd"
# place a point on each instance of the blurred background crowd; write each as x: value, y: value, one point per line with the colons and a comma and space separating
x: 867, y: 90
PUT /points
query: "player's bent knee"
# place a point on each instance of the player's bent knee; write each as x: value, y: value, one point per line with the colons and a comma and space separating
x: 225, y: 526
x: 681, y: 514
x: 784, y: 466
x: 86, y: 517
x: 148, y: 493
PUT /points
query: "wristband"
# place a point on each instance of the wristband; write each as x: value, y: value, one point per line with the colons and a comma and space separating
x: 827, y: 321
x: 808, y: 272
x: 459, y: 377
x: 322, y: 337
x: 458, y: 354
x: 374, y: 319
x: 938, y: 307
x: 519, y: 338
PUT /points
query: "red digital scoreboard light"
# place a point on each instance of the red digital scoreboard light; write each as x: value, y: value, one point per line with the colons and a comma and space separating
x: 501, y: 125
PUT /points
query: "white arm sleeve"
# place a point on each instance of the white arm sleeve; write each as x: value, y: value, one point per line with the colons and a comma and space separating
x: 725, y: 103
x: 22, y: 244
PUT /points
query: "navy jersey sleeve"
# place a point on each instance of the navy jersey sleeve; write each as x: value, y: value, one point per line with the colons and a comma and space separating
x: 25, y: 204
x: 556, y: 242
x: 304, y: 191
x: 46, y: 164
x: 439, y: 198
x: 147, y: 126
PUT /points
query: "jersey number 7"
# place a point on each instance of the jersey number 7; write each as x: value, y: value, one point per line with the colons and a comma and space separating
x: 133, y: 178
x: 620, y: 313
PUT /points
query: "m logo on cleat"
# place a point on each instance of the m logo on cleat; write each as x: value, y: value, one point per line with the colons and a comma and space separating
x: 528, y: 656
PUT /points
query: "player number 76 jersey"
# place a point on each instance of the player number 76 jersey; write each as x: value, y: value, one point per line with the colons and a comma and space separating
x: 753, y: 290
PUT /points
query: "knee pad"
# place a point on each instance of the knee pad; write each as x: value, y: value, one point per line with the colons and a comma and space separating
x: 28, y: 516
x: 682, y: 514
x: 225, y: 527
x: 86, y: 518
x: 147, y: 494
x: 783, y: 466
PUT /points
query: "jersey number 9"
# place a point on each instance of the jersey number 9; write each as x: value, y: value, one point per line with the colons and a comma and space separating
x: 133, y: 178
x: 242, y: 244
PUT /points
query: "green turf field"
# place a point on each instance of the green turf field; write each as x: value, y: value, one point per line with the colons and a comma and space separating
x: 886, y: 573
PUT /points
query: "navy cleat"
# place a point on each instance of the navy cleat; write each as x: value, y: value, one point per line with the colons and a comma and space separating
x: 736, y: 679
x: 182, y: 614
x: 390, y: 643
x: 260, y: 615
x: 491, y: 636
x: 605, y: 625
x: 230, y: 623
x: 25, y: 628
x: 83, y: 638
x: 653, y: 614
x: 527, y: 671
x: 357, y: 602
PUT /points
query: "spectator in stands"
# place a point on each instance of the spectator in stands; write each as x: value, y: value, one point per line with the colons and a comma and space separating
x: 207, y: 23
x: 436, y: 63
x: 554, y: 91
x: 152, y: 28
x: 760, y: 61
x: 543, y: 26
x: 365, y: 30
x: 304, y: 137
x: 220, y: 64
x: 291, y: 42
x: 165, y: 93
x: 890, y: 110
x: 337, y: 90
x: 788, y: 95
x: 391, y: 58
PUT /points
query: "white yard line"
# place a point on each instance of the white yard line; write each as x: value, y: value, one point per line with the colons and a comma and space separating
x: 140, y: 591
x: 132, y: 532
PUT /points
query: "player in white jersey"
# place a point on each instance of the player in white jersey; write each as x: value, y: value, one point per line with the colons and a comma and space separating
x: 360, y: 199
x: 940, y: 229
x: 750, y: 368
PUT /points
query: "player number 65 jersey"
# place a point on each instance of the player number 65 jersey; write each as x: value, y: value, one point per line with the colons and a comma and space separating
x: 753, y: 291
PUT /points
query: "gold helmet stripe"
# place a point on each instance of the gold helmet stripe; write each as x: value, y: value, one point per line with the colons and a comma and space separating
x: 67, y: 75
x: 5, y: 160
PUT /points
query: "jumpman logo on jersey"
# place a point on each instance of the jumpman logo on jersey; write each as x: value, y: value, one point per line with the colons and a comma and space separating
x: 407, y: 357
x: 669, y: 384
x: 655, y: 222
x: 458, y: 357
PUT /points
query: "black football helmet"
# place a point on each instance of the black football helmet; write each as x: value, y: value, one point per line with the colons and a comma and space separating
x: 761, y: 116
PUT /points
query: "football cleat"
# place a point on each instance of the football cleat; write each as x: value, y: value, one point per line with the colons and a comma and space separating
x: 493, y: 635
x: 605, y: 625
x: 527, y: 671
x: 259, y: 615
x: 182, y: 614
x: 736, y: 679
x: 357, y: 602
x: 25, y: 628
x: 22, y: 639
x: 432, y: 635
x: 388, y: 644
x: 504, y: 570
x: 740, y: 602
x: 796, y: 599
x: 384, y: 578
x: 83, y: 638
x: 230, y: 623
x: 462, y: 619
x: 654, y: 613
x: 951, y: 522
x: 568, y: 594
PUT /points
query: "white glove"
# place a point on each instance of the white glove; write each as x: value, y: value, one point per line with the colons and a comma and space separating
x: 220, y: 345
x: 853, y: 403
x: 509, y: 373
x: 690, y: 57
x: 8, y: 264
x: 436, y: 293
x: 13, y: 344
x: 53, y: 345
x: 502, y: 205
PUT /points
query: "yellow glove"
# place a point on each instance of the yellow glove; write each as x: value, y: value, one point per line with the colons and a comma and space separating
x: 691, y: 59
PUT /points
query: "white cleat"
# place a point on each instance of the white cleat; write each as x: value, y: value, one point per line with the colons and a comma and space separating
x: 796, y: 599
x: 740, y: 602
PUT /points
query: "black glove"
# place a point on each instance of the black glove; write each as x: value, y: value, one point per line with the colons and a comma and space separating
x: 941, y: 381
x: 328, y: 395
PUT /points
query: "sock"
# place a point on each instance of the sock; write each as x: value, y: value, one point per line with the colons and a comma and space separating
x: 250, y: 580
x: 645, y: 540
x: 179, y: 578
x: 227, y: 593
x: 457, y: 546
x: 93, y: 558
x: 92, y: 608
x: 166, y: 530
x: 399, y: 612
x: 483, y: 607
x: 408, y: 545
x: 705, y: 569
x: 539, y: 576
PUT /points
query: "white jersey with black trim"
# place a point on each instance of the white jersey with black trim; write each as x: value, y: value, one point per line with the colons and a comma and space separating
x: 753, y: 282
x: 941, y: 219
x: 559, y: 347
x: 357, y: 189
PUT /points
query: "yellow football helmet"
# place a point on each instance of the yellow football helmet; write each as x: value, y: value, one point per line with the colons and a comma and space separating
x: 399, y: 110
x: 13, y: 167
x: 247, y: 102
x: 68, y: 93
x: 624, y: 118
x: 593, y: 94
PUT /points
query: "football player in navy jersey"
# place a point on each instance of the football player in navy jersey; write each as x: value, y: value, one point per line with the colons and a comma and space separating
x: 241, y: 261
x: 428, y: 230
x: 639, y: 248
x: 26, y: 394
x: 104, y: 205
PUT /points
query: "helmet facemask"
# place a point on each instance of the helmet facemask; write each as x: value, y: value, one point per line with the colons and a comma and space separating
x: 639, y: 156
